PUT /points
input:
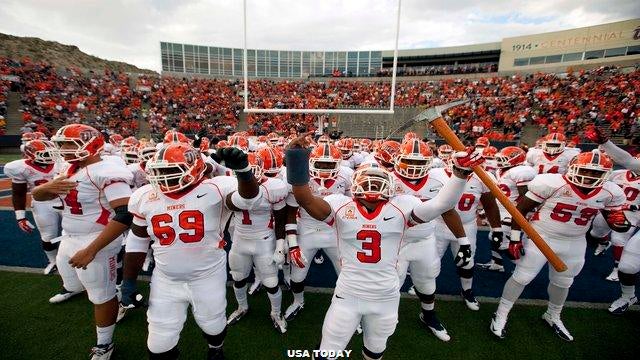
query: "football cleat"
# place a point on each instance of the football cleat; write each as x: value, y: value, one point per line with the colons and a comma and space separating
x: 137, y: 303
x: 293, y: 310
x: 614, y: 275
x: 412, y: 290
x: 359, y: 329
x: 279, y: 323
x: 50, y: 268
x: 601, y: 248
x: 556, y: 324
x: 235, y: 316
x: 255, y: 287
x: 491, y: 266
x: 63, y: 295
x: 102, y: 352
x: 435, y: 326
x: 470, y: 300
x: 621, y: 305
x: 498, y: 325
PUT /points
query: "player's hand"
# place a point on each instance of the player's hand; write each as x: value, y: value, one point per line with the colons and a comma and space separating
x: 59, y: 185
x: 617, y: 221
x: 82, y: 258
x: 234, y: 158
x: 464, y: 161
x: 631, y: 208
x: 198, y: 137
x: 301, y: 141
x: 496, y: 240
x: 463, y: 257
x: 515, y: 250
x: 596, y: 135
x: 26, y: 225
x: 297, y: 257
x: 279, y: 255
x: 131, y: 297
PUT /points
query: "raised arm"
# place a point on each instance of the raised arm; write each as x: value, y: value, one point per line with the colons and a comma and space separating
x: 618, y: 155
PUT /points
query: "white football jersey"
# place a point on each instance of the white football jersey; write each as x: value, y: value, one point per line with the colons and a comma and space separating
x: 438, y: 163
x: 187, y: 229
x: 566, y: 213
x: 424, y: 189
x: 340, y: 185
x: 550, y: 164
x: 510, y: 179
x: 110, y: 150
x: 470, y: 199
x: 354, y: 161
x: 369, y: 244
x: 139, y: 174
x: 631, y: 188
x: 257, y: 223
x: 25, y: 172
x: 86, y: 208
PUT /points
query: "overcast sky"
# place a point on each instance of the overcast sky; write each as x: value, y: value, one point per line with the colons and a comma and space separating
x: 131, y: 30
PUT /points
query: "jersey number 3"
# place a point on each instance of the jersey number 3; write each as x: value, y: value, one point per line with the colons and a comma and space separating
x: 192, y: 221
x: 371, y: 246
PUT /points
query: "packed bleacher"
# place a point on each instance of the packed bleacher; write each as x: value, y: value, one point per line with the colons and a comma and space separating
x: 499, y: 108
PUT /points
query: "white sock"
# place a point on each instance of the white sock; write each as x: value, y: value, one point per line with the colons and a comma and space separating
x: 503, y: 308
x: 428, y: 307
x: 241, y: 296
x: 628, y: 291
x: 51, y: 255
x: 276, y: 301
x: 466, y: 283
x: 557, y: 297
x: 286, y: 272
x: 105, y: 334
x: 298, y: 297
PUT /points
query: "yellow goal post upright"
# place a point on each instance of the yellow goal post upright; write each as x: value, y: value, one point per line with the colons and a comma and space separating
x: 245, y: 73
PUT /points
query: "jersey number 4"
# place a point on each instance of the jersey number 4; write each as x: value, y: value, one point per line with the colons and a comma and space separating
x: 371, y: 246
x: 192, y: 221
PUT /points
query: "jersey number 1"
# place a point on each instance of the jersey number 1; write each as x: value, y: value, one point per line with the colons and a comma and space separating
x: 371, y: 244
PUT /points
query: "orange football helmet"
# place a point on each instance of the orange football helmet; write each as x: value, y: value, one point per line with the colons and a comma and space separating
x: 413, y: 160
x: 40, y: 151
x: 205, y: 144
x: 222, y: 144
x: 324, y: 139
x: 115, y: 140
x: 175, y: 167
x: 272, y: 160
x: 444, y: 152
x: 589, y: 169
x: 365, y: 144
x: 510, y: 156
x: 40, y: 135
x: 324, y: 162
x: 146, y: 151
x: 372, y: 183
x: 257, y: 167
x: 386, y: 153
x: 273, y: 138
x: 173, y: 136
x: 28, y: 136
x: 482, y: 142
x: 77, y: 142
x: 239, y: 142
x: 489, y: 152
x: 346, y: 147
x: 553, y: 143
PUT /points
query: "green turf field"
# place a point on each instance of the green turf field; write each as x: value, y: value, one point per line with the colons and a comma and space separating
x: 34, y: 329
x: 5, y: 158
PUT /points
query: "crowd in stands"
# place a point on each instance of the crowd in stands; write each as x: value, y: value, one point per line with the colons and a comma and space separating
x: 432, y: 70
x: 4, y: 91
x: 498, y: 109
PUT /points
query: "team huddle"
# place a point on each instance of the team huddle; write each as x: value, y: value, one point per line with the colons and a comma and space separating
x: 378, y: 210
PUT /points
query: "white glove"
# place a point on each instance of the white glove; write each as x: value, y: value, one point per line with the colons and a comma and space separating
x: 23, y: 223
x: 278, y: 255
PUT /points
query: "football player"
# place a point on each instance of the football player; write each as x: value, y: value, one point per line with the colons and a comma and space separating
x: 95, y: 193
x: 185, y: 214
x: 553, y: 157
x: 513, y: 176
x: 384, y: 155
x: 38, y: 167
x: 565, y: 206
x: 258, y: 239
x: 370, y: 227
x: 310, y: 235
x: 113, y: 146
x: 419, y: 252
x: 350, y: 159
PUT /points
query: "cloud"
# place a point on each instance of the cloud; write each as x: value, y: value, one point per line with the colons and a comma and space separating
x: 131, y: 30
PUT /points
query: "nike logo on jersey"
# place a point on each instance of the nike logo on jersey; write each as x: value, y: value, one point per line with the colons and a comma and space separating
x: 432, y: 190
x: 387, y: 218
x: 58, y: 207
x: 339, y: 297
x: 200, y: 195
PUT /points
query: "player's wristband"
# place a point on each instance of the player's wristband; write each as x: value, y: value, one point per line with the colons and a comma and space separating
x: 515, y: 235
x: 291, y: 228
x: 21, y: 214
x: 463, y: 241
x: 292, y: 240
x: 244, y: 174
x: 496, y: 229
x: 297, y: 161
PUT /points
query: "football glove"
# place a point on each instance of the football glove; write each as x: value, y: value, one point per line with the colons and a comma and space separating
x: 466, y: 160
x: 198, y: 137
x: 617, y: 221
x: 234, y: 159
x: 463, y: 257
x: 496, y: 240
x: 297, y: 257
x: 596, y: 135
x: 131, y: 298
x: 23, y: 223
x: 278, y: 255
x: 631, y: 208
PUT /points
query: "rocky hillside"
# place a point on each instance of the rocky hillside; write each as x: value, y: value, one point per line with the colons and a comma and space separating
x: 59, y: 55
